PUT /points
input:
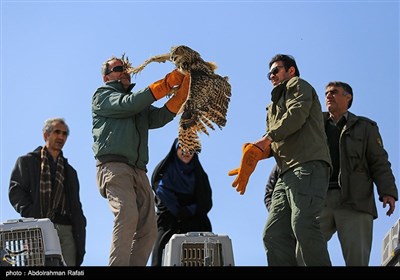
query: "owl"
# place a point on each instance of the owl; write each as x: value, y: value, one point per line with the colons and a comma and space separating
x: 208, y: 98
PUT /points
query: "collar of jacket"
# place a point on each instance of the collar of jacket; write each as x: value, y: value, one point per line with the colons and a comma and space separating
x: 278, y: 91
x: 36, y: 153
x: 351, y: 119
x: 118, y: 85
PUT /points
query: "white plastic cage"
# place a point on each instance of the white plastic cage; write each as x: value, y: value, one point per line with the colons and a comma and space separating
x: 391, y: 246
x: 198, y: 249
x: 29, y: 242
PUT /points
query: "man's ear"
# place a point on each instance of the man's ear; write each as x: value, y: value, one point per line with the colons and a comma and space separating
x: 292, y: 70
x: 105, y: 78
x: 349, y: 97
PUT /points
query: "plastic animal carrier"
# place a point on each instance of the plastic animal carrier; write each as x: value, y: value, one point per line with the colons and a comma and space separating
x: 391, y: 246
x: 198, y: 249
x: 29, y: 242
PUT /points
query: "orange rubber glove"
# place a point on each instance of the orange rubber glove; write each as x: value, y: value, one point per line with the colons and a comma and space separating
x: 164, y: 86
x: 251, y: 155
x: 176, y: 101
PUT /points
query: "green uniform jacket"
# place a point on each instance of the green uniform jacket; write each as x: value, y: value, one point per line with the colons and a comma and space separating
x: 295, y: 124
x: 121, y: 122
x: 363, y: 161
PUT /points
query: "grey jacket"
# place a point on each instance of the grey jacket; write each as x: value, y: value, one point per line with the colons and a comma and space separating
x: 121, y: 122
x: 295, y: 124
x: 363, y: 161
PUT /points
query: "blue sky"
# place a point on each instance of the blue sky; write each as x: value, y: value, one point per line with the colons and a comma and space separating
x: 51, y: 53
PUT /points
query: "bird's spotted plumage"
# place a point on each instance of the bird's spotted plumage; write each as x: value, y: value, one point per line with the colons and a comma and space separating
x: 208, y: 98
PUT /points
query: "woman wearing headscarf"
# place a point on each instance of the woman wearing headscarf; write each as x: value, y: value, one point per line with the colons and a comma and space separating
x: 183, y: 198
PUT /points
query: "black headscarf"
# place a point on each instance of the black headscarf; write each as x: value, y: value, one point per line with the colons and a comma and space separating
x: 177, y: 184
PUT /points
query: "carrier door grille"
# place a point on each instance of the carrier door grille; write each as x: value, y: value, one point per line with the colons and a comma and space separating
x: 22, y: 247
x: 201, y: 254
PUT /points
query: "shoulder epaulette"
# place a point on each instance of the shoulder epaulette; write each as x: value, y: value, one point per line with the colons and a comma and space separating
x: 367, y: 119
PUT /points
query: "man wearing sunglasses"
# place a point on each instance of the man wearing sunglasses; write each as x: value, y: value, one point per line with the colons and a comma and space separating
x: 121, y: 123
x: 296, y: 138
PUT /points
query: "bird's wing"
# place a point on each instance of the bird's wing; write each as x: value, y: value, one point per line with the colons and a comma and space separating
x: 207, y: 103
x: 158, y: 58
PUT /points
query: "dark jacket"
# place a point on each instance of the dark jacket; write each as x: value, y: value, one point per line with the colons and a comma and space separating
x: 24, y: 195
x: 363, y: 162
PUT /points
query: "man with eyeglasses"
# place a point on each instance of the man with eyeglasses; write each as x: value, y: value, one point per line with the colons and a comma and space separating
x: 44, y: 185
x: 359, y: 160
x: 183, y: 197
x: 121, y: 123
x: 296, y: 138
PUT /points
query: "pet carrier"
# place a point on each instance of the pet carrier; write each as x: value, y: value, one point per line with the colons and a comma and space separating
x: 391, y: 246
x: 198, y: 249
x: 29, y: 242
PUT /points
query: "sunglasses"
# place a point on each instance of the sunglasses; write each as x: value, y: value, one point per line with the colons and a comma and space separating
x: 274, y: 71
x: 119, y: 68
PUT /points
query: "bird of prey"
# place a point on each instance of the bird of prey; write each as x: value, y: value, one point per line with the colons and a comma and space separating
x: 208, y: 98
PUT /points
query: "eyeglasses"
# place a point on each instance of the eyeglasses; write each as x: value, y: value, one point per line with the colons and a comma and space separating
x: 119, y: 68
x: 274, y: 71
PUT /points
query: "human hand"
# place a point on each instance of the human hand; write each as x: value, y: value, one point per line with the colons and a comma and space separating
x: 164, y: 86
x: 240, y: 181
x: 250, y: 157
x: 179, y: 98
x: 174, y: 78
x: 387, y: 199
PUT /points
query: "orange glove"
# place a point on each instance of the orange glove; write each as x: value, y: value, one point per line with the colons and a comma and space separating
x: 164, y: 86
x: 176, y: 101
x: 251, y: 155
